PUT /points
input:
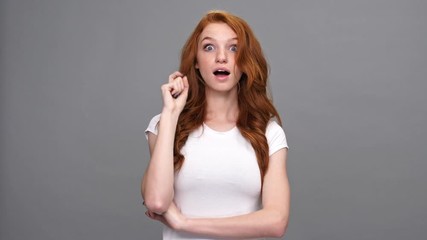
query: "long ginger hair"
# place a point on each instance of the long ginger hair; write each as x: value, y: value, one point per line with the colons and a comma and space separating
x: 255, y: 107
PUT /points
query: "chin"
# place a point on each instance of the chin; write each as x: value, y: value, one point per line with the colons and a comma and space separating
x: 222, y: 88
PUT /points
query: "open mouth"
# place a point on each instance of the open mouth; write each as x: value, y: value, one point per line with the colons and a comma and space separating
x: 221, y: 72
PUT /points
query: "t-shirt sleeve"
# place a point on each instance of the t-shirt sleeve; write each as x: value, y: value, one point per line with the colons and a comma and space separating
x: 153, y: 126
x: 276, y: 137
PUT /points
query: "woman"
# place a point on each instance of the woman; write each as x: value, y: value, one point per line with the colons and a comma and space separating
x: 218, y: 159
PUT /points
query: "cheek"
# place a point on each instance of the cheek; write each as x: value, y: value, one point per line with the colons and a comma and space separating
x: 202, y: 64
x: 237, y: 72
x: 238, y: 75
x: 199, y: 61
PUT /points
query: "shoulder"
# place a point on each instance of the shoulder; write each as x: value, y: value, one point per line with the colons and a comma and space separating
x: 153, y: 125
x: 276, y: 137
x: 274, y: 130
x: 273, y: 127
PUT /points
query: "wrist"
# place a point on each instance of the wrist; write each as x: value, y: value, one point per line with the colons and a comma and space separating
x: 172, y: 113
x: 170, y: 116
x: 184, y: 225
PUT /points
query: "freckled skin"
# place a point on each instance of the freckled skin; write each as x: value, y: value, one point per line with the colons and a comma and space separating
x: 217, y: 48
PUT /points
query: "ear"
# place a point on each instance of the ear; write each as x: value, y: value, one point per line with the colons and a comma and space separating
x: 196, y: 66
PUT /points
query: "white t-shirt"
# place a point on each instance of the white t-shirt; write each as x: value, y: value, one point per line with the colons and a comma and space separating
x: 220, y: 176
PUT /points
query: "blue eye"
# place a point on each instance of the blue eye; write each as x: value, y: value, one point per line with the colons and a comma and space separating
x: 233, y: 48
x: 208, y: 47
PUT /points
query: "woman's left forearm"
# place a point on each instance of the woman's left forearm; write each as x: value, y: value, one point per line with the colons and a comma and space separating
x: 262, y: 223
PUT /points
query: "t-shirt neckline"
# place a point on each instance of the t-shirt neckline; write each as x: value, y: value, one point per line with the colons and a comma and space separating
x: 231, y: 130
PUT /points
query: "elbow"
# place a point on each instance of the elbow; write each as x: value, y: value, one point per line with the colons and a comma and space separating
x: 279, y: 231
x: 278, y: 227
x: 156, y: 202
x: 156, y: 205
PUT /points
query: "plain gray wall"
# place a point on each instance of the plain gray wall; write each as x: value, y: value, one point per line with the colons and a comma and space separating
x: 80, y: 81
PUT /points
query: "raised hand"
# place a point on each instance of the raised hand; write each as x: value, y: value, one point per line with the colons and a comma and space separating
x: 175, y: 92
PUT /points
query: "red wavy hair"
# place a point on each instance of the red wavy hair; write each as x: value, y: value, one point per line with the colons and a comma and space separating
x: 255, y: 107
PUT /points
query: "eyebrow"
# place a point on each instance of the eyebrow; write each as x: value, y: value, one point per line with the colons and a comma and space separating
x: 210, y: 38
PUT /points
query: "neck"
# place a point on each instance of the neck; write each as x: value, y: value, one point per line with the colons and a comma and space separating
x: 222, y: 107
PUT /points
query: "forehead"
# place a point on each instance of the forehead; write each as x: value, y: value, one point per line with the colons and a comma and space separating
x: 218, y: 31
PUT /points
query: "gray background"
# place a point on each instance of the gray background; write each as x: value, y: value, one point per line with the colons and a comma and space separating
x: 80, y: 81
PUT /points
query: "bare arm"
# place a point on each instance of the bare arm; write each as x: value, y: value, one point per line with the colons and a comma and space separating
x: 270, y: 221
x: 157, y: 182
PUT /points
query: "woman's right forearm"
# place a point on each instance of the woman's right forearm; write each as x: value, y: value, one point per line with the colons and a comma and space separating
x: 157, y: 188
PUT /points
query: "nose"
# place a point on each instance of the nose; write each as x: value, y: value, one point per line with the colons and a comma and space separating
x: 221, y: 56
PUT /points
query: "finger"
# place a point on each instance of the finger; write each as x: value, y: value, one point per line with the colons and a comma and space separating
x: 185, y: 82
x: 169, y: 87
x: 174, y: 89
x: 174, y: 75
x: 186, y: 87
x: 155, y: 216
x: 147, y: 213
x: 152, y: 215
x: 166, y: 88
x: 177, y: 87
x: 183, y: 88
x: 181, y: 83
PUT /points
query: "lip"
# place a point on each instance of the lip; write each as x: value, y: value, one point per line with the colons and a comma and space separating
x: 221, y: 78
x: 221, y: 69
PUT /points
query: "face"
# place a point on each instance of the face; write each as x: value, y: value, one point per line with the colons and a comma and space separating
x: 216, y: 53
